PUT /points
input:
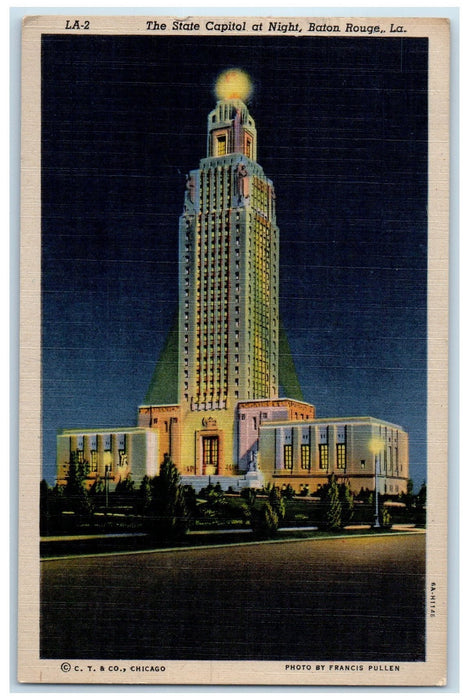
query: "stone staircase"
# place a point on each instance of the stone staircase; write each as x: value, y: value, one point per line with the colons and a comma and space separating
x: 242, y: 481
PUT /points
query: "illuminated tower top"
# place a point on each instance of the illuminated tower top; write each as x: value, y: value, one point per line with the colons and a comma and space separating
x: 231, y: 129
x: 228, y: 242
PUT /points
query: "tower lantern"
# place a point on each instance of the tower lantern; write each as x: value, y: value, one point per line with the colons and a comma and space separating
x: 231, y: 129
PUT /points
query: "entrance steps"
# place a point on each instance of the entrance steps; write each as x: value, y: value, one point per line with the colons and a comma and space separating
x: 250, y: 480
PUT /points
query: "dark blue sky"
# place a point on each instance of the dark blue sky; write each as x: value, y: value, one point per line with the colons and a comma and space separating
x: 342, y: 132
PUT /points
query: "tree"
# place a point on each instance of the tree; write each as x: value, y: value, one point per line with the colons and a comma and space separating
x: 366, y: 496
x: 347, y: 502
x: 44, y: 507
x: 74, y: 490
x: 385, y: 519
x: 125, y: 486
x: 75, y: 476
x: 249, y: 495
x: 51, y: 505
x: 144, y: 494
x: 264, y: 522
x: 213, y: 503
x: 96, y: 488
x: 421, y: 499
x: 409, y: 497
x: 421, y: 505
x: 321, y: 492
x: 190, y: 498
x: 277, y: 502
x: 288, y: 492
x: 168, y: 505
x: 266, y: 519
x: 334, y: 506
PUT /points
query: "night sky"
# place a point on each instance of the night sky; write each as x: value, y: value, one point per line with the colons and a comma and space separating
x: 342, y: 132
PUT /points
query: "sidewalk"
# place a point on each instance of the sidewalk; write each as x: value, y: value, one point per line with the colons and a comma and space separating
x: 228, y: 531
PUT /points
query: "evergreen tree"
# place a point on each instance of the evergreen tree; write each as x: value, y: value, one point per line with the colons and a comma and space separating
x: 347, y: 502
x: 385, y: 519
x: 421, y: 502
x: 409, y: 497
x: 334, y: 506
x: 289, y: 492
x: 277, y: 502
x: 264, y: 522
x: 125, y: 486
x: 249, y: 495
x: 190, y: 498
x: 322, y: 491
x: 75, y: 476
x: 144, y: 494
x: 44, y: 500
x: 96, y: 488
x: 168, y: 504
x: 421, y: 499
x: 74, y: 490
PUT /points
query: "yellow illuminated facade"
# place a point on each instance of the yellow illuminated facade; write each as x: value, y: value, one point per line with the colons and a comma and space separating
x: 357, y: 450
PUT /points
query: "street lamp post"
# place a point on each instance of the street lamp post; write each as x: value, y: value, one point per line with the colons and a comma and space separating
x: 376, y: 445
x: 376, y: 492
x: 107, y: 469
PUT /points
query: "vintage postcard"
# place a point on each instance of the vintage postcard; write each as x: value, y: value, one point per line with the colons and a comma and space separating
x: 233, y: 401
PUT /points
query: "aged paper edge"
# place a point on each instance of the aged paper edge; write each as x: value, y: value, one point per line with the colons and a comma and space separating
x: 32, y: 669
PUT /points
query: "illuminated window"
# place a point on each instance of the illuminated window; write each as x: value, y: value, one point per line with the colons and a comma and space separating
x: 93, y: 459
x: 305, y: 456
x: 221, y: 145
x: 288, y: 457
x: 341, y: 456
x: 323, y: 456
x: 210, y: 450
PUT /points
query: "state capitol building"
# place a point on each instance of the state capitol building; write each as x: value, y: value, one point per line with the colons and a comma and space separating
x: 229, y: 424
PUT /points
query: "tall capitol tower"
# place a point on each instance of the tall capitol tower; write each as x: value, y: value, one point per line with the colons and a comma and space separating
x: 228, y: 326
x: 228, y: 242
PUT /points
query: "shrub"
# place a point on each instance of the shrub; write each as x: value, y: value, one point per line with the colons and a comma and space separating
x: 168, y: 504
x: 249, y: 495
x: 334, y: 506
x: 277, y: 502
x: 385, y: 519
x: 288, y: 492
x: 347, y: 502
x: 125, y: 486
x: 264, y: 522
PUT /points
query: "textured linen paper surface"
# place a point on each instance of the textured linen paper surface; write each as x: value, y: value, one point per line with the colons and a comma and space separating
x: 233, y: 390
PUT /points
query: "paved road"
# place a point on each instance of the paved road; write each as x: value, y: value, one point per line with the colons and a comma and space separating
x: 342, y: 599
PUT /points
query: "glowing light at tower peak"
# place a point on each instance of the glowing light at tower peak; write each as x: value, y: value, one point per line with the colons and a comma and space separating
x: 233, y: 84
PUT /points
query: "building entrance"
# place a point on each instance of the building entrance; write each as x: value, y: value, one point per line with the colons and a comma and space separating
x: 210, y: 454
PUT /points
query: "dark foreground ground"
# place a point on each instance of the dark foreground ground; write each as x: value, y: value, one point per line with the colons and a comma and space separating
x: 344, y: 599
